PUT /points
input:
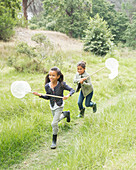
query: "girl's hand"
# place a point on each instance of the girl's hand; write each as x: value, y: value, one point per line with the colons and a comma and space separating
x: 66, y: 97
x: 37, y: 94
x: 82, y: 80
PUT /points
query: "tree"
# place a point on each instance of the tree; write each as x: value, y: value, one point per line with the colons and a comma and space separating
x: 36, y: 7
x: 129, y: 8
x: 70, y: 17
x: 117, y: 21
x: 130, y: 34
x: 8, y: 14
x: 26, y: 4
x: 98, y: 37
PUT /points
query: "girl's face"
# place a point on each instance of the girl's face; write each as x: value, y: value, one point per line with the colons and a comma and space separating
x: 53, y: 76
x: 80, y: 70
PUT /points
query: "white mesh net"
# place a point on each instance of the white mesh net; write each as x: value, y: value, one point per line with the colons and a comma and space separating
x: 20, y: 88
x: 112, y: 65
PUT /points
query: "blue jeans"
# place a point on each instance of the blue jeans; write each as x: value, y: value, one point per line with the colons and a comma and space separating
x: 88, y: 102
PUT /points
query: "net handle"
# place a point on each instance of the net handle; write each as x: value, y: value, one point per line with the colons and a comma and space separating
x: 100, y: 69
x: 51, y: 95
x: 96, y: 72
x: 54, y: 96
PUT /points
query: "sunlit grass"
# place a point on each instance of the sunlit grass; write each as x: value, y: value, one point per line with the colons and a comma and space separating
x: 102, y: 139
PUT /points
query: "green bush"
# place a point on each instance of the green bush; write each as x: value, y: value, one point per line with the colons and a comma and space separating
x: 21, y: 22
x: 23, y: 48
x: 8, y: 15
x: 39, y: 38
x: 98, y: 37
x: 26, y: 59
x: 32, y: 59
x: 116, y: 21
x: 33, y: 26
x: 7, y: 24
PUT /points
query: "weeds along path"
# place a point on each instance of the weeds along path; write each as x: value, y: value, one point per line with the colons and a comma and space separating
x: 45, y: 156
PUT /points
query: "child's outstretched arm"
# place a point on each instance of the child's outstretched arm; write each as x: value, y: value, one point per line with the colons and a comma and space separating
x: 66, y: 97
x: 41, y: 96
x: 70, y: 89
x: 37, y: 94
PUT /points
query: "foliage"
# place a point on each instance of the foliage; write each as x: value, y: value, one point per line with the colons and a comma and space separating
x: 23, y: 48
x: 31, y: 59
x: 35, y: 59
x: 21, y: 21
x: 33, y: 26
x: 116, y: 21
x: 40, y: 38
x: 129, y: 8
x: 70, y: 17
x: 130, y: 34
x: 119, y: 26
x: 98, y: 37
x: 8, y: 14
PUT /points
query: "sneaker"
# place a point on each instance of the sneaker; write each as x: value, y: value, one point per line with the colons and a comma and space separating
x: 94, y: 108
x: 81, y: 114
x: 67, y: 115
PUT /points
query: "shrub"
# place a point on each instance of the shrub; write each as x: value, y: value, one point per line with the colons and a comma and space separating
x: 7, y: 24
x: 32, y: 59
x: 39, y: 38
x: 98, y: 37
x: 8, y: 14
x: 33, y: 26
x: 23, y: 48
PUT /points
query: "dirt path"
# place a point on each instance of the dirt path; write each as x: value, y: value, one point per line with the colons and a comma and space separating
x: 60, y: 40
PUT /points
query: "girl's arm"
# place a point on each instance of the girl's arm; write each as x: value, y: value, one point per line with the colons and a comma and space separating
x: 66, y: 97
x: 76, y: 79
x: 41, y: 96
x: 82, y: 80
x: 87, y: 82
x: 71, y: 90
x: 37, y: 94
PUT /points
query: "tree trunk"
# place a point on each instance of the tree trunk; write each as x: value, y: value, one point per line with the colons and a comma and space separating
x: 25, y: 9
x: 25, y: 6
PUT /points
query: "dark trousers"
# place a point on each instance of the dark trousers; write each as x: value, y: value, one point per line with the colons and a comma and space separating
x: 88, y: 102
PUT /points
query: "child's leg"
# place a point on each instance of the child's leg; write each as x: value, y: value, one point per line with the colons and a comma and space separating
x: 65, y: 114
x: 56, y: 118
x: 80, y: 104
x: 89, y: 103
x: 61, y: 117
x: 80, y: 100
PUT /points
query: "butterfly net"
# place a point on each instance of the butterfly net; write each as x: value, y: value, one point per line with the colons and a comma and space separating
x: 112, y: 65
x: 20, y: 88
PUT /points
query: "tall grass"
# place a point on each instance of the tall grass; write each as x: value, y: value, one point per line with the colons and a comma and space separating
x: 101, y: 139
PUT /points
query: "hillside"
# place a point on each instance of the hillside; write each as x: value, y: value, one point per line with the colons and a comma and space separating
x: 60, y: 40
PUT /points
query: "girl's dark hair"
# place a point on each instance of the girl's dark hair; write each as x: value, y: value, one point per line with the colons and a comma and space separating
x: 47, y: 80
x: 82, y: 64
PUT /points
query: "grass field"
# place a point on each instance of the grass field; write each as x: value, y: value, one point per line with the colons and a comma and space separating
x: 104, y: 140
